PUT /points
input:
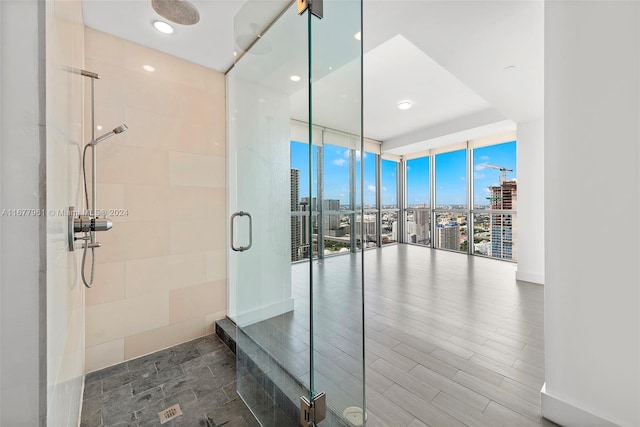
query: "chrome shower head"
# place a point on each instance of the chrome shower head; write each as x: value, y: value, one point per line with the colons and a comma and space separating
x: 120, y: 129
x: 107, y: 135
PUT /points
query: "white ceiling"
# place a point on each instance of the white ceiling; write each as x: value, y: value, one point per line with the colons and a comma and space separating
x: 471, y: 68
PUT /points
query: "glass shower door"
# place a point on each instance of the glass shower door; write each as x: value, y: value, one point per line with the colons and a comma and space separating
x: 298, y: 314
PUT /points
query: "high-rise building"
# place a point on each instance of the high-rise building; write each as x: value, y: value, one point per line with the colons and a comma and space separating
x: 504, y: 226
x: 448, y: 236
x: 313, y: 203
x: 304, y: 235
x: 295, y: 220
x: 331, y: 222
x: 417, y: 226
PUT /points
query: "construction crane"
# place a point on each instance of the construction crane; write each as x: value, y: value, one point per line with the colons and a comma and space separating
x: 501, y: 169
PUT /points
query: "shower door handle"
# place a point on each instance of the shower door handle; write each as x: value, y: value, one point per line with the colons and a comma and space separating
x: 233, y: 218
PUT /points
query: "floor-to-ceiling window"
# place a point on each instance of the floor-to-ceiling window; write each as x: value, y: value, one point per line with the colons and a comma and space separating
x: 417, y: 227
x: 303, y: 204
x: 495, y: 195
x: 474, y: 192
x: 450, y: 216
x: 337, y: 198
x: 389, y: 202
x: 463, y: 200
x: 369, y: 221
x: 336, y: 175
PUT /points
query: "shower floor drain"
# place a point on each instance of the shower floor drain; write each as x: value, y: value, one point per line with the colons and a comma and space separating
x: 170, y: 413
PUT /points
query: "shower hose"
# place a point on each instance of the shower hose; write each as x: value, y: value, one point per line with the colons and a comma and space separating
x: 86, y: 235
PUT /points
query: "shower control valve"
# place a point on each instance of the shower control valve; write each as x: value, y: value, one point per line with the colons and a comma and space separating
x: 83, y: 224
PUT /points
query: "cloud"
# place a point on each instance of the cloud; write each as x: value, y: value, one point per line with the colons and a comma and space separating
x: 479, y: 167
x: 384, y: 188
x: 371, y: 188
x: 339, y: 162
x: 484, y: 157
x: 478, y: 175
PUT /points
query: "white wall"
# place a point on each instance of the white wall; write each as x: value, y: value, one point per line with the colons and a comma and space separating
x: 21, y: 279
x: 531, y: 202
x: 592, y: 301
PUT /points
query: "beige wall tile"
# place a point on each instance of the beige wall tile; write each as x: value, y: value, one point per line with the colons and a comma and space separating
x: 157, y: 339
x: 168, y: 172
x: 110, y: 89
x: 195, y: 235
x: 145, y: 239
x: 147, y: 202
x: 150, y: 129
x: 210, y: 320
x: 215, y: 83
x: 151, y: 94
x: 216, y: 201
x: 99, y: 45
x: 216, y: 264
x: 120, y: 164
x: 113, y: 242
x: 110, y: 196
x: 118, y: 319
x: 196, y: 170
x: 187, y: 203
x: 198, y: 301
x: 193, y: 138
x: 108, y: 284
x: 103, y: 355
x: 150, y: 276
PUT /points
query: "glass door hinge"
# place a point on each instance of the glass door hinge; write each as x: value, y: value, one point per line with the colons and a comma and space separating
x: 313, y: 412
x: 314, y: 6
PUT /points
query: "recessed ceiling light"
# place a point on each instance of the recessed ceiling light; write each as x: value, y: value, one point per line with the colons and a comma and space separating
x: 295, y: 78
x: 99, y: 127
x: 235, y: 53
x: 358, y: 36
x: 148, y: 68
x: 404, y: 105
x: 163, y: 27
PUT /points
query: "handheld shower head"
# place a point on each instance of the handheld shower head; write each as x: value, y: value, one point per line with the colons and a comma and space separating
x: 120, y: 129
x: 107, y: 135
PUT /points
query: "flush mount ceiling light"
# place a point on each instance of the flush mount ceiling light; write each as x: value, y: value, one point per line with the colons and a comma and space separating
x: 148, y: 68
x: 404, y: 105
x: 294, y: 78
x: 178, y: 11
x: 163, y: 27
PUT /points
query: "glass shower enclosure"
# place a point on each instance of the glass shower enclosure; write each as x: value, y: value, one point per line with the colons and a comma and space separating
x: 299, y: 314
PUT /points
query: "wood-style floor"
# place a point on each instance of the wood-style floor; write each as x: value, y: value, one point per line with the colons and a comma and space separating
x: 450, y: 339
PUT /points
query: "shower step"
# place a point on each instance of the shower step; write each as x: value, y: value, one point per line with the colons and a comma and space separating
x: 271, y: 378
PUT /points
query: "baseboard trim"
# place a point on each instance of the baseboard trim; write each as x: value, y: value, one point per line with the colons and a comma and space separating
x: 530, y: 277
x: 568, y: 415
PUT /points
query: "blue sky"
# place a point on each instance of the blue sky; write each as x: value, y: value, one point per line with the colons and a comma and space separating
x: 450, y: 174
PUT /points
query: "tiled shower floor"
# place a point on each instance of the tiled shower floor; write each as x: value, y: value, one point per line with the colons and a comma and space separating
x: 199, y: 375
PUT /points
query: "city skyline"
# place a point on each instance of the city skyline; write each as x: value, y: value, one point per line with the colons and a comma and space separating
x: 451, y: 171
